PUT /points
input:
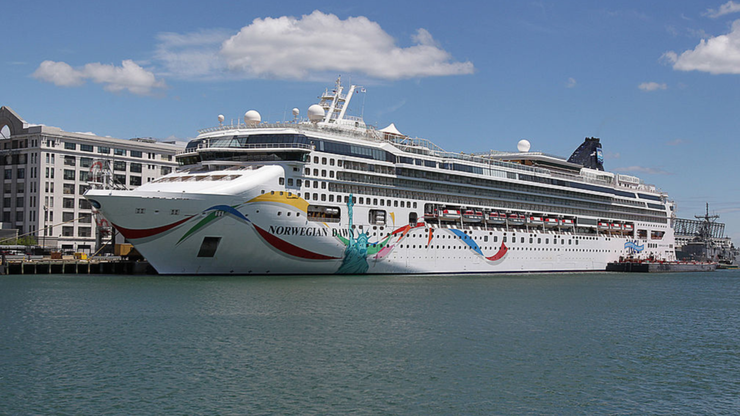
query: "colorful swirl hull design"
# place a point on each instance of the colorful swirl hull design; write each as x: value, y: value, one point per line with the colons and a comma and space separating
x: 353, y: 259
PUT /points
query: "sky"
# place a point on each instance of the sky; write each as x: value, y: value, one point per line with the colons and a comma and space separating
x: 658, y: 82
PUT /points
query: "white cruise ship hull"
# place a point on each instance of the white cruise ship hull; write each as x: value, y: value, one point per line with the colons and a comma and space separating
x: 241, y: 230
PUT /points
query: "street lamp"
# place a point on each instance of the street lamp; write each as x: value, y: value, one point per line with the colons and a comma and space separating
x: 46, y: 219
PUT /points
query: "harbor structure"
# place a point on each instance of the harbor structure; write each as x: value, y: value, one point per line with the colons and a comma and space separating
x: 46, y: 170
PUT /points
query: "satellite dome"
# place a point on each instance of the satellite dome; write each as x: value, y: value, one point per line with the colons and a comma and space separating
x: 221, y: 118
x: 296, y: 112
x: 315, y: 113
x: 252, y: 118
x: 523, y: 146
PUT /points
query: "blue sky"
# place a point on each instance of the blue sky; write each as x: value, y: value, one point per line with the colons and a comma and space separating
x: 658, y: 82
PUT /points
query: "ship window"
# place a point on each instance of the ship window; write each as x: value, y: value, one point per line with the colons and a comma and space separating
x: 339, y: 163
x: 323, y: 161
x: 395, y: 203
x: 208, y: 246
x: 290, y: 181
x: 281, y: 181
x: 382, y: 202
x: 315, y: 159
x: 315, y: 172
x: 323, y: 172
x: 377, y: 216
x: 375, y: 201
x: 331, y: 162
x: 323, y: 185
x: 322, y: 213
x: 331, y: 173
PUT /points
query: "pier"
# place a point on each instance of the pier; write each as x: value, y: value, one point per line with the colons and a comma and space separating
x: 75, y: 266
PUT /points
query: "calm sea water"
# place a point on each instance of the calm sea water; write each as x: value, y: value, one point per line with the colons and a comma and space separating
x: 559, y: 344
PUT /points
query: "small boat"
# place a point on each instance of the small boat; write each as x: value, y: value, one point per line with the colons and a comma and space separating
x: 551, y: 222
x: 472, y: 216
x: 616, y: 226
x: 535, y: 220
x: 516, y: 219
x: 496, y: 218
x: 449, y: 215
x: 628, y: 227
x: 566, y: 222
x: 603, y: 225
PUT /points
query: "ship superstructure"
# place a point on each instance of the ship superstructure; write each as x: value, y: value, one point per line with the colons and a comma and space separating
x: 332, y: 195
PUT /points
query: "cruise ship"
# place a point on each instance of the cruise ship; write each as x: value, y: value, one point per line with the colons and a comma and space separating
x: 330, y: 194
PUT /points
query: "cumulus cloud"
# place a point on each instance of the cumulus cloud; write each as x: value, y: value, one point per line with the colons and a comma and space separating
x: 652, y: 86
x: 716, y: 55
x: 642, y: 169
x: 727, y: 8
x: 191, y: 55
x: 299, y: 48
x: 129, y: 76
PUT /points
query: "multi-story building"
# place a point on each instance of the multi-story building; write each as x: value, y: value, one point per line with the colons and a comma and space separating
x: 46, y: 170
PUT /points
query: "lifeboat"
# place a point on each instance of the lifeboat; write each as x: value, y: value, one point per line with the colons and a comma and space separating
x: 551, y: 222
x: 616, y: 226
x: 472, y: 216
x: 535, y: 220
x: 449, y: 215
x: 430, y: 216
x: 516, y: 219
x: 628, y: 227
x: 496, y: 218
x: 603, y: 225
x: 566, y: 222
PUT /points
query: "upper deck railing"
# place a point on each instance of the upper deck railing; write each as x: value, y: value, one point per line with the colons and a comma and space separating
x: 422, y: 147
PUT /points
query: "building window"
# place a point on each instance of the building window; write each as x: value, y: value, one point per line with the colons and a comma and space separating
x: 9, y: 173
x: 135, y: 167
x: 70, y: 146
x: 166, y: 170
x: 68, y: 231
x: 86, y: 162
x: 84, y: 175
x: 19, y: 202
x: 86, y: 147
x: 69, y: 175
x: 68, y: 216
x: 84, y: 204
x: 119, y: 152
x: 19, y: 216
x: 69, y: 189
x: 135, y: 153
x: 69, y: 160
x: 135, y: 180
x: 84, y: 232
x: 68, y: 202
x: 104, y: 150
x: 121, y: 179
x: 119, y: 165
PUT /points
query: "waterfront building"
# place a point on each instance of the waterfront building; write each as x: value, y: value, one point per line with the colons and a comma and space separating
x: 46, y: 170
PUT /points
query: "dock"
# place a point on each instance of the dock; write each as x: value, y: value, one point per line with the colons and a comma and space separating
x: 75, y: 266
x: 661, y: 266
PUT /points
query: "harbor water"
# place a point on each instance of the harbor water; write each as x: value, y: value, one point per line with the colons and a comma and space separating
x: 560, y: 344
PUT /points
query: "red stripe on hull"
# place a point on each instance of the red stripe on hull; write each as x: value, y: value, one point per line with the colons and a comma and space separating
x: 291, y: 249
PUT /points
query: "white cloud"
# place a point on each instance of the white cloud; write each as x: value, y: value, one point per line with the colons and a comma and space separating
x: 652, y: 86
x: 717, y: 55
x: 727, y: 8
x: 676, y: 142
x: 192, y: 55
x: 129, y: 76
x: 299, y: 48
x: 571, y: 83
